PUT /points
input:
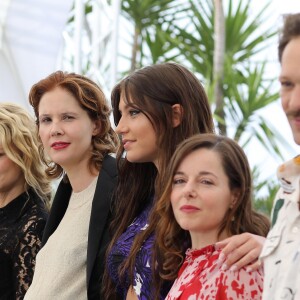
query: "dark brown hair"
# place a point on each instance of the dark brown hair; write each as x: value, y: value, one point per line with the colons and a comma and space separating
x: 91, y: 99
x: 290, y: 30
x: 171, y: 240
x: 153, y: 90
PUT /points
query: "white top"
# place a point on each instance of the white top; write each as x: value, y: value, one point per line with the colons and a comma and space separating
x: 281, y: 251
x: 60, y: 271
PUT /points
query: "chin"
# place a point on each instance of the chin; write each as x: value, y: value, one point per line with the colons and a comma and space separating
x: 60, y: 162
x: 296, y: 133
x: 297, y: 139
x: 136, y: 159
x: 132, y: 159
x: 185, y: 225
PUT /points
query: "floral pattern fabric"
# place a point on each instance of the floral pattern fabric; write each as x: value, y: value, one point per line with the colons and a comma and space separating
x: 201, y: 277
x: 281, y: 251
x: 143, y: 285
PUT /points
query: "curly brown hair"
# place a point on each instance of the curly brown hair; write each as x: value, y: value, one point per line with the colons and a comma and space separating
x: 91, y: 99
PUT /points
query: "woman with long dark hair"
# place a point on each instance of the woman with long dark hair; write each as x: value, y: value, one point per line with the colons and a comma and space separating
x: 155, y: 108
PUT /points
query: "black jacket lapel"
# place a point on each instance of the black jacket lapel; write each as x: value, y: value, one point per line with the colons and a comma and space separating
x: 99, y: 222
x: 58, y: 209
x: 98, y: 235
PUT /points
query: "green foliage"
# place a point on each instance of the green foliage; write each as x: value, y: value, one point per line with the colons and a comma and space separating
x: 184, y: 31
x: 150, y: 34
x: 246, y: 89
x: 245, y: 100
x: 264, y: 204
x: 269, y: 188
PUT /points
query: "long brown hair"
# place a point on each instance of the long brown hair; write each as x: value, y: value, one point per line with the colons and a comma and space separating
x: 153, y: 90
x: 171, y: 240
x: 91, y: 99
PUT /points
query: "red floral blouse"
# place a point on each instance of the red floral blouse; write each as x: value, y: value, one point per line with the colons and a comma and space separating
x: 201, y: 277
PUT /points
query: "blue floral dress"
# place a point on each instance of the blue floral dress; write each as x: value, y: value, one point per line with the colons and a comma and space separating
x: 143, y: 284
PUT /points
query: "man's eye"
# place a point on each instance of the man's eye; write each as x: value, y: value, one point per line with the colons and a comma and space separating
x: 286, y: 83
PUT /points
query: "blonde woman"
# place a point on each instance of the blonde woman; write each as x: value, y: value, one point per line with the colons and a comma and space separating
x: 24, y: 200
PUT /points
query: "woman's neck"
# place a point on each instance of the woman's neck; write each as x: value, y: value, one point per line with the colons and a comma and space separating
x: 203, y: 239
x: 7, y: 196
x: 80, y: 180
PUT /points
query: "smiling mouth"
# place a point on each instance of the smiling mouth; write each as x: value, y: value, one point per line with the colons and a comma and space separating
x: 126, y: 144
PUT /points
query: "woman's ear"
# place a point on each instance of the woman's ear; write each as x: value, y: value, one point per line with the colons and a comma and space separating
x: 177, y: 114
x: 97, y: 127
x: 235, y: 197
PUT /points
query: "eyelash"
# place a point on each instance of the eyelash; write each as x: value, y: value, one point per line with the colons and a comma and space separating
x: 203, y: 181
x: 44, y: 120
x: 68, y: 117
x: 286, y: 83
x: 134, y: 112
x: 47, y: 119
x: 178, y: 181
x: 207, y: 182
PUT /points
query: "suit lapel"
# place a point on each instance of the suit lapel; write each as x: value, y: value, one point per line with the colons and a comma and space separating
x: 58, y: 209
x: 100, y: 211
x: 99, y: 214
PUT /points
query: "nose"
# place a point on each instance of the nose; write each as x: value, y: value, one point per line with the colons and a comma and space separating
x: 189, y: 191
x: 294, y: 103
x: 56, y: 130
x: 121, y: 127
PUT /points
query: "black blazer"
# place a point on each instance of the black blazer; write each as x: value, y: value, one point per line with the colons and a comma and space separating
x: 99, y: 222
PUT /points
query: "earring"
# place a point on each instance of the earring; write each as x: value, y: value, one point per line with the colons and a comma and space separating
x: 232, y: 219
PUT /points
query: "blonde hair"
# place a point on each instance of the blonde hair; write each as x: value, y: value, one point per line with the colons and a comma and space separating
x: 18, y: 137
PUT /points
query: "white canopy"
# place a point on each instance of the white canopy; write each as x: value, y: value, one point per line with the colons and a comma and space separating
x: 30, y: 42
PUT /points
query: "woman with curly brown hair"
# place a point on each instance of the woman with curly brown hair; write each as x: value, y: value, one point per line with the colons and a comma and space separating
x: 25, y: 194
x: 77, y: 139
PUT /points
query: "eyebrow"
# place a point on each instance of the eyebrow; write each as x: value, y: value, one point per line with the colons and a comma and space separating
x: 283, y: 76
x: 128, y: 105
x: 199, y: 173
x: 61, y: 114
